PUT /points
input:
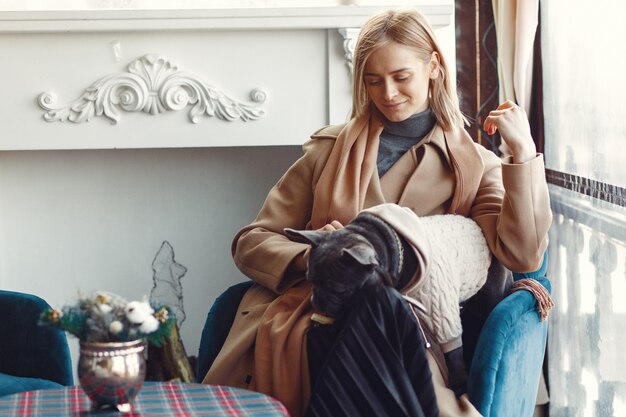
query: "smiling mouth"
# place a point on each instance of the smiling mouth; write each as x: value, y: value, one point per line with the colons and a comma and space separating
x: 394, y: 105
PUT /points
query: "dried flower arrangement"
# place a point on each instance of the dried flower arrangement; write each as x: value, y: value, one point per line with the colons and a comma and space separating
x: 106, y: 317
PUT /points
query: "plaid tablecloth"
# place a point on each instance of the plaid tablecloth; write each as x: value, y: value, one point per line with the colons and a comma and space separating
x: 154, y: 400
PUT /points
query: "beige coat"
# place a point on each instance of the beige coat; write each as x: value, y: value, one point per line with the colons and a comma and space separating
x: 427, y: 180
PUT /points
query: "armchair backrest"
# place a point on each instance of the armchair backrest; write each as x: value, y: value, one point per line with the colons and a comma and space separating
x: 217, y: 325
x: 27, y: 349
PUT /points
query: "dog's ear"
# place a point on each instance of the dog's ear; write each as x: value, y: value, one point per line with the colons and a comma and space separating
x: 312, y: 237
x: 362, y: 254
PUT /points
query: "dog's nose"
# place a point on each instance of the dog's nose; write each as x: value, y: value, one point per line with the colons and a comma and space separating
x: 318, y: 303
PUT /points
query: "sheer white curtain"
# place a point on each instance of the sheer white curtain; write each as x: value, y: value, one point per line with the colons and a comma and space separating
x: 516, y: 25
x: 585, y: 134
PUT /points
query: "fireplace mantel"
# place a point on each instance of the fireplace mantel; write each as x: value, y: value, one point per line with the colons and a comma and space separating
x: 22, y: 21
x: 170, y: 78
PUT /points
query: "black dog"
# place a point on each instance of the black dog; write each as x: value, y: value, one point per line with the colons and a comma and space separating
x: 367, y: 252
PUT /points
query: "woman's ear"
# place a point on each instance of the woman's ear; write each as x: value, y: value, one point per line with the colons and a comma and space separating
x: 434, y: 65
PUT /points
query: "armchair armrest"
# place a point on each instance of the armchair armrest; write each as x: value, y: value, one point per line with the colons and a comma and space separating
x: 505, y: 371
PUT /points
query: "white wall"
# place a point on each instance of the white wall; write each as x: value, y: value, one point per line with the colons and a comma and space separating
x: 93, y: 220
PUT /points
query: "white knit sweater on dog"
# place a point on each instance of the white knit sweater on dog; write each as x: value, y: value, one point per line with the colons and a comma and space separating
x: 459, y: 262
x: 454, y: 260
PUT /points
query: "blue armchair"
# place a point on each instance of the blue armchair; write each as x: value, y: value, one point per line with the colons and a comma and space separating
x: 507, y: 364
x: 217, y: 325
x: 32, y: 357
x: 504, y: 341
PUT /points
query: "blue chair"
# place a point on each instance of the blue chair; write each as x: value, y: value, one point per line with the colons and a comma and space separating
x: 217, y: 325
x: 504, y: 341
x: 507, y: 364
x: 32, y: 357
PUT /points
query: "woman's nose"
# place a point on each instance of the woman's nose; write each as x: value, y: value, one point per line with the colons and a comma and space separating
x: 390, y: 91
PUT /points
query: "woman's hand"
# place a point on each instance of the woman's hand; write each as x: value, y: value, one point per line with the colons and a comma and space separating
x: 331, y: 227
x: 512, y: 122
x: 301, y: 263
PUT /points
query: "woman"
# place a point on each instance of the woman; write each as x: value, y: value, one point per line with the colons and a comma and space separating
x: 404, y: 144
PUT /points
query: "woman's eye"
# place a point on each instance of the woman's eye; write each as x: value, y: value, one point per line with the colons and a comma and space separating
x: 373, y: 82
x: 402, y: 79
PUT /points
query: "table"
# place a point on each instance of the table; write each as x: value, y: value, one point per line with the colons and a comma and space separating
x: 155, y: 399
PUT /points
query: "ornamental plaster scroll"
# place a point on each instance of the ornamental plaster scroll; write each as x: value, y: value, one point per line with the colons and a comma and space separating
x: 153, y: 85
x: 349, y: 42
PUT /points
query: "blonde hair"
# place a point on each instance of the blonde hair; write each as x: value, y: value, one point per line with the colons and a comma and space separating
x: 407, y: 27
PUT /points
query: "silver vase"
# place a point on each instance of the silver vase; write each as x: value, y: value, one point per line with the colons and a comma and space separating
x: 111, y: 374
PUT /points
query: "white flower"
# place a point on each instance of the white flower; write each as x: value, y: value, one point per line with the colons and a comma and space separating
x: 149, y: 325
x: 104, y: 308
x: 138, y: 311
x: 115, y: 327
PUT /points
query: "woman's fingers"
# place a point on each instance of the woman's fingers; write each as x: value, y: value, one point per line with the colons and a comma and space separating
x: 507, y: 116
x: 506, y: 109
x: 490, y: 125
x: 507, y: 105
x: 332, y: 226
x: 337, y: 225
x: 512, y: 123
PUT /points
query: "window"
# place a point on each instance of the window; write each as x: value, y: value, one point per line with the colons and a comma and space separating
x: 585, y: 132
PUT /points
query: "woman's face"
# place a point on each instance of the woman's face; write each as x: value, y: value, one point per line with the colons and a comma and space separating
x: 396, y: 80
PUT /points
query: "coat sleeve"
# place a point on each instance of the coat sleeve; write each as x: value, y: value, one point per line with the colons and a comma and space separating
x: 261, y: 250
x: 512, y: 207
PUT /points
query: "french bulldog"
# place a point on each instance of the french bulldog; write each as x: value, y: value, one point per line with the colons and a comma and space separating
x: 367, y: 252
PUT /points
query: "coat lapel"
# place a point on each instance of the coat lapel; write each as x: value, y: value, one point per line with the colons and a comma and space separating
x: 422, y: 179
x: 468, y: 167
x: 439, y: 174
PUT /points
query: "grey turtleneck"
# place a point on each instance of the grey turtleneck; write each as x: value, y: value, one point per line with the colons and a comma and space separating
x: 398, y: 137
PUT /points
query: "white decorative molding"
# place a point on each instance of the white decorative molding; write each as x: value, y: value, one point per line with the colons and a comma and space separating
x: 152, y: 85
x: 349, y: 42
x: 438, y: 13
x: 258, y: 95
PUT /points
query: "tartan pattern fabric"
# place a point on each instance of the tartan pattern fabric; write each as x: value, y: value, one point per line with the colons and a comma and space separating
x: 167, y: 399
